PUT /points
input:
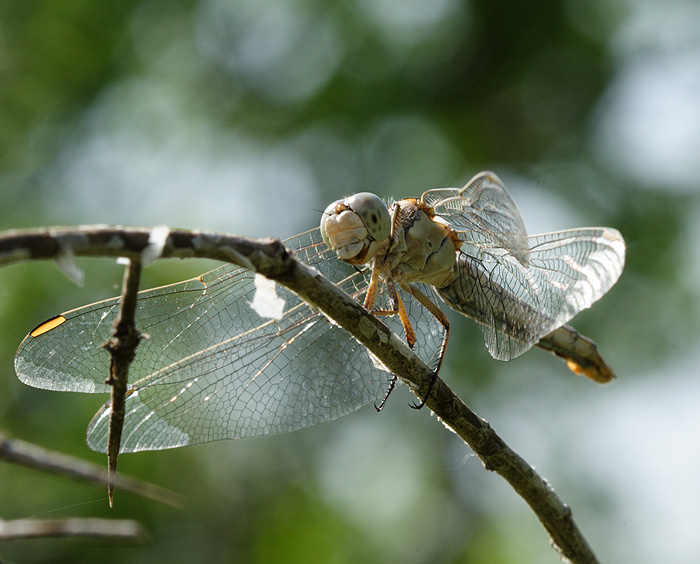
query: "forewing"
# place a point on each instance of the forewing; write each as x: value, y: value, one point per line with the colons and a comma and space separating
x: 70, y: 356
x: 212, y: 368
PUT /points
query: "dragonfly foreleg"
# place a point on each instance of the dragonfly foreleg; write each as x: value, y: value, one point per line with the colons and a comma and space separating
x: 371, y: 294
x: 396, y: 306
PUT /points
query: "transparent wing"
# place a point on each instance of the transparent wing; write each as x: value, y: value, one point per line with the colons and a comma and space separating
x: 483, y: 211
x: 213, y: 368
x: 520, y: 288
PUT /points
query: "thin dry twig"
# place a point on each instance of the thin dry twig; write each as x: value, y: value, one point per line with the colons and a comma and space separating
x: 20, y: 529
x: 270, y: 258
x: 122, y: 350
x: 39, y: 458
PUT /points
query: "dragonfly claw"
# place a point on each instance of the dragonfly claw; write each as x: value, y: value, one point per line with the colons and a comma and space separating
x: 390, y: 389
x: 414, y: 405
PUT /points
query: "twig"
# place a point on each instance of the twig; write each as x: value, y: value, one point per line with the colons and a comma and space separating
x: 269, y: 257
x: 20, y: 529
x: 122, y: 349
x: 33, y: 456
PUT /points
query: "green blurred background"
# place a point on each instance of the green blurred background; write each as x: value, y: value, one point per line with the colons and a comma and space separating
x: 248, y: 117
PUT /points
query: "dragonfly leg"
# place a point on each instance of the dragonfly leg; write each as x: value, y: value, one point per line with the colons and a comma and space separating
x: 397, y: 308
x: 392, y: 385
x: 372, y: 290
x: 414, y: 405
x: 403, y: 316
x: 426, y: 302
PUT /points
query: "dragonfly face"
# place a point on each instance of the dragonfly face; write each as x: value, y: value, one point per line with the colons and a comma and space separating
x: 356, y: 227
x: 214, y: 368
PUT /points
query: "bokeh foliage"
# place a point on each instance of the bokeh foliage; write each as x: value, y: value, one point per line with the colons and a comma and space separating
x: 248, y: 116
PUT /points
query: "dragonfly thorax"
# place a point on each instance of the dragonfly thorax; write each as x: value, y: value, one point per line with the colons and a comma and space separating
x: 422, y: 248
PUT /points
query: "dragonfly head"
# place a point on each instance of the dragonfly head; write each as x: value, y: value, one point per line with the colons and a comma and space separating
x: 356, y: 227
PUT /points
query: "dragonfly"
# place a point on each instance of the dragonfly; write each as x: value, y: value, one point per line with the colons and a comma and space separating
x: 218, y: 366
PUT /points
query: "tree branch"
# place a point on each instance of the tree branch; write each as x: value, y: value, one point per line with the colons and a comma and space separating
x: 270, y: 258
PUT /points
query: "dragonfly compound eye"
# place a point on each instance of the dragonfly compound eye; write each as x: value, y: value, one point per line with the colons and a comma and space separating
x: 373, y: 213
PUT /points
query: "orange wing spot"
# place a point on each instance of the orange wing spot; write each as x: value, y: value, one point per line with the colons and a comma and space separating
x: 47, y: 326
